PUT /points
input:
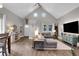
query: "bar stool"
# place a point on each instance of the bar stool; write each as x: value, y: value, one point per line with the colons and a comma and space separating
x: 3, y: 46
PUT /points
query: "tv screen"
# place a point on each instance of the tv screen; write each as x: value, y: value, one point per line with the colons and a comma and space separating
x: 71, y: 27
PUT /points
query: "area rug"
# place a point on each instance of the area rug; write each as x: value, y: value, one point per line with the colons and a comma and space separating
x: 23, y: 47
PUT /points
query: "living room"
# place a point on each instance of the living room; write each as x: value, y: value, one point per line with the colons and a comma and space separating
x: 39, y: 29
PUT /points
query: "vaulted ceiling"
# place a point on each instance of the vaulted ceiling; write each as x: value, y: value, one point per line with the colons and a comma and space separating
x: 55, y: 9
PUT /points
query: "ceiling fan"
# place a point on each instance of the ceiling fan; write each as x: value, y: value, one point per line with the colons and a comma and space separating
x: 38, y: 5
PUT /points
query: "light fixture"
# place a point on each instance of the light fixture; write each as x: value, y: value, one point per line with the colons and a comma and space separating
x: 26, y: 26
x: 35, y: 14
x: 36, y: 32
x: 54, y: 31
x: 10, y: 29
x: 1, y: 6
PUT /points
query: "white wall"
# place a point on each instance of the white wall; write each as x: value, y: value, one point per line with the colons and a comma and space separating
x: 39, y: 21
x: 70, y: 17
x: 11, y: 18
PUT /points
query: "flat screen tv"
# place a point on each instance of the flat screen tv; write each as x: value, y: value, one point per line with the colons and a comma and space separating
x: 71, y: 27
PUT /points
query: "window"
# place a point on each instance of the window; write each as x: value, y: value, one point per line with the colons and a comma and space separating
x: 45, y: 27
x: 2, y: 24
x: 50, y: 27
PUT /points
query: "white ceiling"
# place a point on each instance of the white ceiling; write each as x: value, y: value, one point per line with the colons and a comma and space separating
x: 56, y: 9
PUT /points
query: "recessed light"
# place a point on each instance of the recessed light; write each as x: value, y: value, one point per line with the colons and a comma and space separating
x: 26, y: 26
x: 1, y: 6
x: 35, y: 14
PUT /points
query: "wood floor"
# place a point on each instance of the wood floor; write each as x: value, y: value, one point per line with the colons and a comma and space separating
x: 23, y: 47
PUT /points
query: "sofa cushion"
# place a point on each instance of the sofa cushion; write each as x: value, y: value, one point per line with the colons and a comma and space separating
x: 50, y: 41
